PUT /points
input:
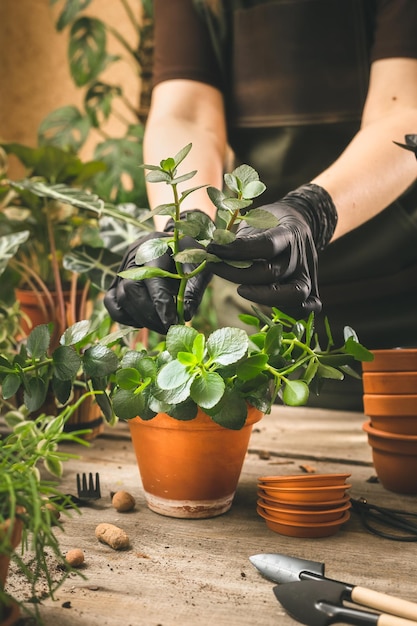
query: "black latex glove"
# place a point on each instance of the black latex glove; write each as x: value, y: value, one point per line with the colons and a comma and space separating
x: 284, y: 269
x: 151, y: 303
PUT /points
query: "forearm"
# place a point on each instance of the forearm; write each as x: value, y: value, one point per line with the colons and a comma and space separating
x: 372, y: 172
x: 170, y: 128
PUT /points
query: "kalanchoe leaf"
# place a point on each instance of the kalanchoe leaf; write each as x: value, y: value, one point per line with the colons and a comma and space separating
x: 10, y: 385
x: 150, y: 250
x: 128, y: 378
x: 260, y: 219
x: 168, y: 165
x: 176, y: 395
x: 128, y: 405
x: 66, y: 363
x: 246, y: 174
x: 182, y: 154
x: 273, y: 339
x: 38, y: 341
x: 231, y: 411
x: 232, y: 182
x: 253, y: 189
x: 61, y: 389
x: 234, y: 204
x: 227, y: 345
x: 141, y: 273
x: 156, y: 176
x: 182, y: 179
x: 191, y: 255
x: 199, y: 346
x: 173, y: 375
x: 184, y: 411
x: 326, y: 371
x: 249, y: 320
x: 295, y: 393
x: 35, y: 393
x: 75, y: 333
x: 353, y: 347
x: 207, y: 389
x: 223, y: 236
x: 180, y: 339
x: 100, y: 361
x: 252, y: 366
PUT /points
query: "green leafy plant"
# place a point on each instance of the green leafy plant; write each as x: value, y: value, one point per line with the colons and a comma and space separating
x: 81, y: 362
x: 88, y: 58
x: 26, y: 496
x: 229, y: 369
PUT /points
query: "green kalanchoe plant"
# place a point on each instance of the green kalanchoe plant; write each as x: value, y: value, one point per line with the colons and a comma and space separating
x: 229, y: 369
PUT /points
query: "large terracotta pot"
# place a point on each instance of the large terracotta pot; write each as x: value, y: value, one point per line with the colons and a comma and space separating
x: 394, y: 458
x: 190, y: 469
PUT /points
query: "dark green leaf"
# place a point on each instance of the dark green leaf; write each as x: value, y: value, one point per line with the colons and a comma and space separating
x: 38, y: 341
x: 35, y: 394
x: 326, y: 371
x: 253, y: 189
x: 87, y: 50
x: 181, y: 155
x: 66, y: 363
x: 223, y: 236
x: 252, y: 366
x: 231, y: 412
x: 62, y: 390
x: 100, y: 361
x: 10, y: 385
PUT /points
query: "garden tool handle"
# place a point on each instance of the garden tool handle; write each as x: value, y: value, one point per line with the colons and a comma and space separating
x: 385, y: 603
x: 392, y: 620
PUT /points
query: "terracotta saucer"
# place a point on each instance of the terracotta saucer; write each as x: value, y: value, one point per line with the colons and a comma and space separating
x: 306, y: 494
x: 304, y: 529
x: 317, y: 516
x: 304, y: 480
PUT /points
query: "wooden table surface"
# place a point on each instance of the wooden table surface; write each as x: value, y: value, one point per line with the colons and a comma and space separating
x: 197, y: 572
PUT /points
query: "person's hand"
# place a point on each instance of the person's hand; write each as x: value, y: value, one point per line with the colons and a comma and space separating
x: 284, y: 265
x: 151, y: 303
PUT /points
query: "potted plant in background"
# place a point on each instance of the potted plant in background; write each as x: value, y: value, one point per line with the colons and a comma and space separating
x: 31, y: 506
x: 50, y: 234
x: 207, y: 392
x: 89, y: 57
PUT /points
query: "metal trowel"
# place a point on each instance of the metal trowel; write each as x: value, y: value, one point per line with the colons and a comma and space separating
x: 320, y: 603
x: 284, y: 569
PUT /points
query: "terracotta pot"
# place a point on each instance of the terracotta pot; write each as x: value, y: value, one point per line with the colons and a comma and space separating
x: 37, y: 309
x: 303, y: 480
x: 394, y: 360
x: 11, y: 613
x: 305, y: 495
x: 190, y: 469
x: 389, y: 382
x: 394, y: 458
x: 396, y: 413
x: 316, y: 516
x: 304, y: 529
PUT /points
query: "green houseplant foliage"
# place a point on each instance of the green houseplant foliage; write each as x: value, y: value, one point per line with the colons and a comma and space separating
x: 229, y: 369
x: 88, y: 58
x: 27, y: 454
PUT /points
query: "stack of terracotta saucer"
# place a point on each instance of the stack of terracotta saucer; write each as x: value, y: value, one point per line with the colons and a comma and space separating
x: 305, y: 505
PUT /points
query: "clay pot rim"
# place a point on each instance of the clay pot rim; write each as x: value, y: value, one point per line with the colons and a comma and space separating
x: 312, y: 525
x: 296, y: 478
x: 303, y: 511
x: 312, y: 505
x: 383, y: 434
x: 307, y: 490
